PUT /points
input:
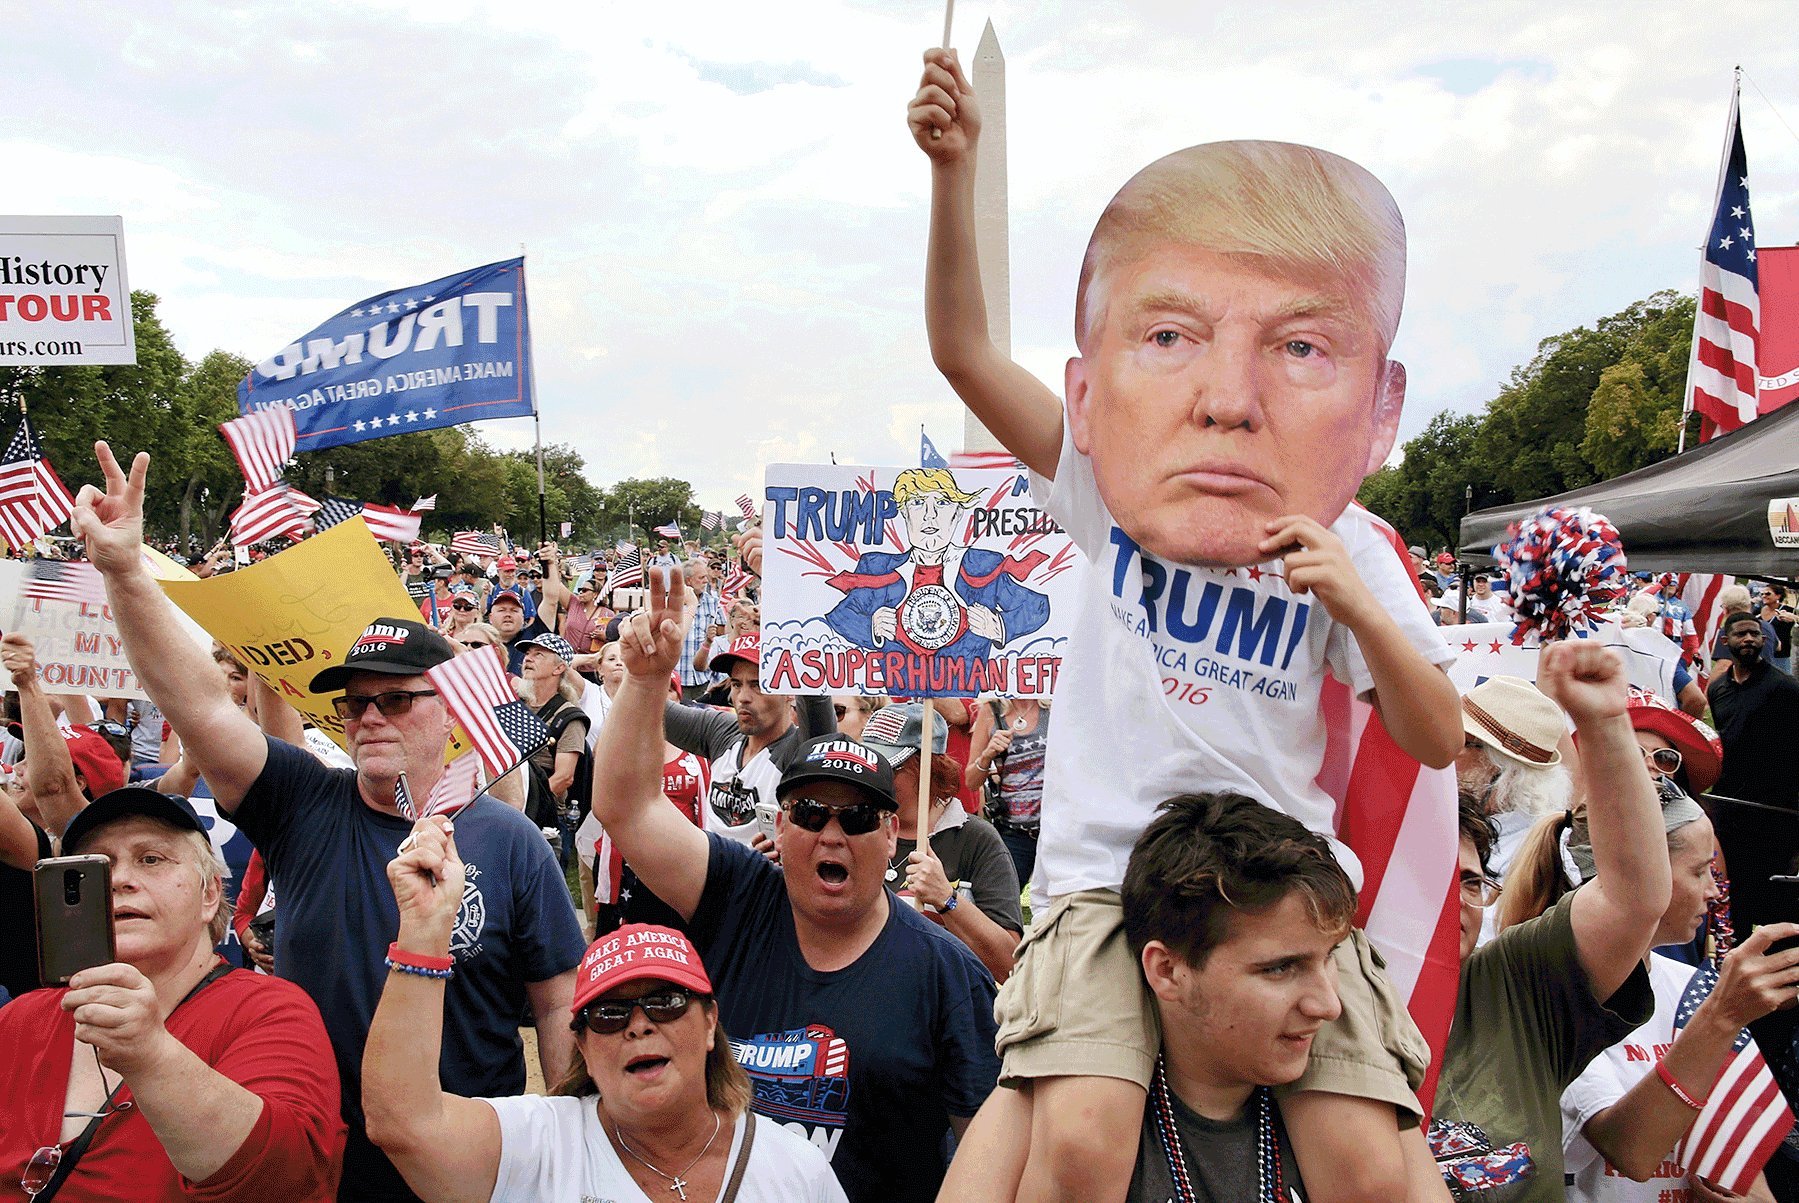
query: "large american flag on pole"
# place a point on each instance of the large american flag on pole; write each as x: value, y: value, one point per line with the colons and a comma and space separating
x: 263, y: 442
x: 1745, y: 1116
x: 32, y: 497
x: 1399, y: 818
x: 478, y: 695
x: 1721, y: 377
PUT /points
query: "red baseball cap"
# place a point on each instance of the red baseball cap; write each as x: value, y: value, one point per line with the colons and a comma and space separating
x: 94, y: 759
x: 635, y: 951
x: 744, y: 647
x: 506, y: 563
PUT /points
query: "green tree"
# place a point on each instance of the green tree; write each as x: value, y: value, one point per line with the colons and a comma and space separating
x: 654, y: 502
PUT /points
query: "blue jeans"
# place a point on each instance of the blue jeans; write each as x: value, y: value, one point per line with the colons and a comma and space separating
x: 1023, y: 847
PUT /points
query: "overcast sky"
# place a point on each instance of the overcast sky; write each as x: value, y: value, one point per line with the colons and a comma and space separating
x: 724, y: 214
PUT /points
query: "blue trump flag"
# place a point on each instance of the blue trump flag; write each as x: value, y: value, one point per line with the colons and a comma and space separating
x: 439, y: 354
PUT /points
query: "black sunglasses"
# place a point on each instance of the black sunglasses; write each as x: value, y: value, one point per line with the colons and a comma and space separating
x: 462, y: 605
x: 812, y: 815
x: 608, y: 1018
x: 391, y: 704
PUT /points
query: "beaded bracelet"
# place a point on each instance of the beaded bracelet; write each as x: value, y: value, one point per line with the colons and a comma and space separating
x: 1661, y: 1069
x: 420, y: 964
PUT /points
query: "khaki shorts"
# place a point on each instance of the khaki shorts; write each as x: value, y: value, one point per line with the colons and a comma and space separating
x: 1076, y: 1005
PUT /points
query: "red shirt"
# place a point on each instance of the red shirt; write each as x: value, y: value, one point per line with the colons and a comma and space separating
x: 263, y: 1033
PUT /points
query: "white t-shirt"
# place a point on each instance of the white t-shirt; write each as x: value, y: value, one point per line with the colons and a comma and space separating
x: 553, y: 1149
x: 738, y: 789
x: 1607, y: 1078
x: 1213, y: 685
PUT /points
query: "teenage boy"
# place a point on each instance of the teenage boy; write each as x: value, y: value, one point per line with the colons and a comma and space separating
x: 1232, y: 910
x: 1234, y: 313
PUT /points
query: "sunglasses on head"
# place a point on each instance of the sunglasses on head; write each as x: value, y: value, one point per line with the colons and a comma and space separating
x: 391, y: 704
x: 608, y: 1017
x: 812, y: 815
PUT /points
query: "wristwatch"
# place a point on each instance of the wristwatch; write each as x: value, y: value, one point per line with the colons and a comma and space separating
x: 949, y: 906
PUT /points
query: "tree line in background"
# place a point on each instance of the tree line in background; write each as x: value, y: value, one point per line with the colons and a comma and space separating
x: 1592, y: 404
x: 172, y: 408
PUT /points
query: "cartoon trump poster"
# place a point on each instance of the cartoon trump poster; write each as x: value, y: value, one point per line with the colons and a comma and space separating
x: 911, y: 582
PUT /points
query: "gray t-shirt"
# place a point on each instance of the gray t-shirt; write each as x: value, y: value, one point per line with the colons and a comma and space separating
x: 974, y: 855
x: 1221, y: 1159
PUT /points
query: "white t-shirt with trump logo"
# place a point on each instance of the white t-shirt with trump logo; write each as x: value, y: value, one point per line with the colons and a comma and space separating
x: 1182, y: 680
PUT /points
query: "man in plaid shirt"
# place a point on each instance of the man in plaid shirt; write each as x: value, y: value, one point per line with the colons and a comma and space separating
x: 708, y: 623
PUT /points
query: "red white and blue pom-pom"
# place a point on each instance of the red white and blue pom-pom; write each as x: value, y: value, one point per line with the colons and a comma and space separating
x: 1563, y: 568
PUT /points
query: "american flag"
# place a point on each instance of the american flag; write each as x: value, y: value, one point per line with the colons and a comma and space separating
x: 1745, y: 1117
x: 628, y: 571
x: 669, y: 530
x: 385, y: 522
x: 1001, y: 459
x: 745, y: 506
x: 1399, y: 818
x: 263, y: 442
x: 281, y: 510
x: 456, y: 787
x: 1721, y: 377
x: 625, y: 546
x: 710, y: 520
x: 476, y: 692
x: 736, y: 580
x: 58, y: 581
x: 32, y: 497
x: 476, y: 544
x: 425, y: 504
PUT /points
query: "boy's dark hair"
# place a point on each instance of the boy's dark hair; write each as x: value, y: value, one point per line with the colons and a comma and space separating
x: 1207, y: 857
x: 1476, y: 827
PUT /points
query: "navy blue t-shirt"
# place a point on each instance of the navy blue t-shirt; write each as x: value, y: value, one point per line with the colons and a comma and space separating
x: 329, y: 851
x: 867, y: 1062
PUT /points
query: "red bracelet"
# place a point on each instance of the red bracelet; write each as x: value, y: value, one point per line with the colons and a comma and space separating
x: 417, y: 960
x: 1661, y: 1069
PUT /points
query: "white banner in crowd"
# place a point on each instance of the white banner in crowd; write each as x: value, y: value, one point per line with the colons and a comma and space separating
x: 64, y: 298
x: 911, y: 582
x: 77, y: 643
x: 1485, y: 649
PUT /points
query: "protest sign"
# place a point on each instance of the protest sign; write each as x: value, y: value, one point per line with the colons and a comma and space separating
x: 1485, y: 649
x: 64, y: 298
x: 296, y: 613
x: 911, y: 582
x: 437, y: 354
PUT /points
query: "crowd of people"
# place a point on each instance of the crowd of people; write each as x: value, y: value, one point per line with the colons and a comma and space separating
x: 709, y: 924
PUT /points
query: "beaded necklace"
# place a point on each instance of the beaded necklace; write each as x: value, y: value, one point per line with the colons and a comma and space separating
x: 1268, y: 1153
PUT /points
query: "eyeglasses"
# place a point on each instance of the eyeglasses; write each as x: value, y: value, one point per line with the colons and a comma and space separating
x: 391, y: 704
x: 1480, y: 891
x: 462, y: 606
x: 608, y: 1018
x: 108, y: 727
x: 474, y: 643
x: 813, y: 815
x: 1665, y: 761
x: 842, y: 711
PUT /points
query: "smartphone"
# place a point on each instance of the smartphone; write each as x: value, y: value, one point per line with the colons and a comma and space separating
x: 765, y: 817
x: 74, y: 916
x: 1786, y: 889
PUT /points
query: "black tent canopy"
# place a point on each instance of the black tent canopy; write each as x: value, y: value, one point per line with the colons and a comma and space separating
x: 1703, y: 511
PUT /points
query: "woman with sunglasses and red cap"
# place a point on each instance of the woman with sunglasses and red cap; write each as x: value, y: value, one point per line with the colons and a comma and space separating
x: 655, y: 1108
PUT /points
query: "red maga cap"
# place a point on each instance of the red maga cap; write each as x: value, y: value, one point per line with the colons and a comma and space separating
x: 638, y: 950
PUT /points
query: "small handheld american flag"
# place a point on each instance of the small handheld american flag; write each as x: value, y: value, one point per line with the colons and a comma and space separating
x: 1745, y: 1116
x: 32, y: 497
x: 56, y: 581
x: 263, y: 442
x: 456, y: 787
x: 478, y: 695
x: 476, y: 544
x: 628, y: 571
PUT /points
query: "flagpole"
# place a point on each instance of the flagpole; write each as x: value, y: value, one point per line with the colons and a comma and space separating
x: 543, y: 519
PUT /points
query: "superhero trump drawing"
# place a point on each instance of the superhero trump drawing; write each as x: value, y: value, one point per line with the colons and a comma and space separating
x: 938, y: 597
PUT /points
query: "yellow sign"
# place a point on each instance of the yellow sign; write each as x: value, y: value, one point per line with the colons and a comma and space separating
x: 296, y: 613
